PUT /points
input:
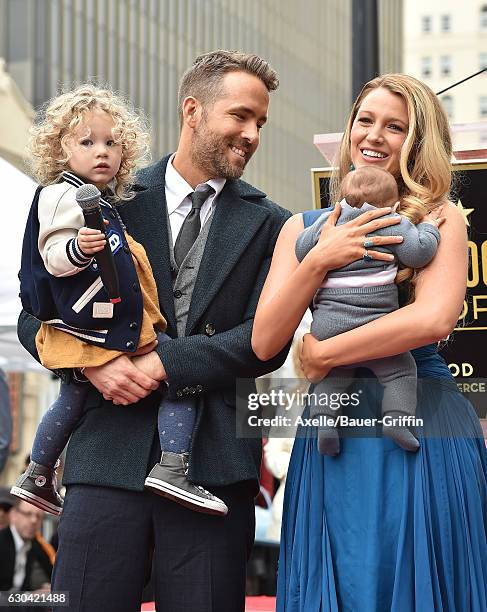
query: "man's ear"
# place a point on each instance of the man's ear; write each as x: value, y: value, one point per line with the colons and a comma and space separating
x: 191, y: 111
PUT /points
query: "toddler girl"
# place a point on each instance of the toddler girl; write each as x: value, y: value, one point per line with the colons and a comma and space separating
x: 90, y: 135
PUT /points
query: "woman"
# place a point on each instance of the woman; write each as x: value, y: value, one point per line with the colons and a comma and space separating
x: 378, y: 528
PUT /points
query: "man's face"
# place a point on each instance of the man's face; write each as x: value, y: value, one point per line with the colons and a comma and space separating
x: 228, y: 132
x: 26, y: 519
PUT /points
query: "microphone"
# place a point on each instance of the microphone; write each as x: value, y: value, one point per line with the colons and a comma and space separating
x: 88, y: 197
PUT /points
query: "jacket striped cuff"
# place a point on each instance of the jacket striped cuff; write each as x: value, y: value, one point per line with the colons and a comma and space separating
x: 76, y: 256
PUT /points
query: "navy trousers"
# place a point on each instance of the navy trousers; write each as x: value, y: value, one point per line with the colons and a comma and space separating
x: 107, y: 538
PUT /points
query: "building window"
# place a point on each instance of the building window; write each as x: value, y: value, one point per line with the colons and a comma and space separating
x: 447, y: 102
x: 445, y: 65
x: 483, y: 17
x: 482, y: 61
x: 426, y: 67
x: 445, y: 23
x: 426, y: 24
x: 483, y: 107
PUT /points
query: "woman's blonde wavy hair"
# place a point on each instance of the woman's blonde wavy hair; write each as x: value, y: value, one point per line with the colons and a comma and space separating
x: 425, y: 158
x: 49, y: 152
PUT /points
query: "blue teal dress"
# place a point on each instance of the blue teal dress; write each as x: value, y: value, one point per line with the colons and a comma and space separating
x: 379, y: 529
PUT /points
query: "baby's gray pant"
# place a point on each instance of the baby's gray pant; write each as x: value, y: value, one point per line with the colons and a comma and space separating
x: 340, y: 310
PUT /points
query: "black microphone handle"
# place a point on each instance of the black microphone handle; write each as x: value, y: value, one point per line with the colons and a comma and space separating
x: 94, y: 218
x: 104, y: 259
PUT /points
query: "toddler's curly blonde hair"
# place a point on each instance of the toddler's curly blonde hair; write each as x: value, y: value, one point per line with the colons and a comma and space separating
x: 65, y: 113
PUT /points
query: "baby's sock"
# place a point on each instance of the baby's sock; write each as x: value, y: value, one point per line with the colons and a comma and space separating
x: 400, y: 433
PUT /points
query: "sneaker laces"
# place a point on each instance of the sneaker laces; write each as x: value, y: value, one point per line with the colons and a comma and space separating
x: 203, y: 490
x: 54, y: 476
x: 199, y: 487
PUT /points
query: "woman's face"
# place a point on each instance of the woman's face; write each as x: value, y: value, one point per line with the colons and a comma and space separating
x: 379, y: 131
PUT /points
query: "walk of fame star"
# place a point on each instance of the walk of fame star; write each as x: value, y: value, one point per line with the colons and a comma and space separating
x: 465, y: 211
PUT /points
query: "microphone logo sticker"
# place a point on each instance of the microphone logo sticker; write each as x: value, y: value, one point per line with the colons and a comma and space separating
x: 115, y: 241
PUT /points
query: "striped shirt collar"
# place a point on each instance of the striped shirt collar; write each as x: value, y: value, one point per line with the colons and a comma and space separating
x: 74, y: 180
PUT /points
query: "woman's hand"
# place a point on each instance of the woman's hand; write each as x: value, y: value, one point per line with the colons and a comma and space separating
x: 314, y: 365
x: 341, y: 245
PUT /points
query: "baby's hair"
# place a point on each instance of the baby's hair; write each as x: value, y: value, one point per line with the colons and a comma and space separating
x: 65, y: 113
x: 368, y: 184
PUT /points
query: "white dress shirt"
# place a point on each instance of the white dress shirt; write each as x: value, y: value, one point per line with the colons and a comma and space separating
x: 21, y: 551
x: 179, y: 203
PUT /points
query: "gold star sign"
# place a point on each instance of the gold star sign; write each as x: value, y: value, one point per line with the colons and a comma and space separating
x: 465, y: 211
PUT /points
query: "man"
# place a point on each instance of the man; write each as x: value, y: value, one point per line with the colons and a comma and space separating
x: 25, y: 564
x: 109, y: 523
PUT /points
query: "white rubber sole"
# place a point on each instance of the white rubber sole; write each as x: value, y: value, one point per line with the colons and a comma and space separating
x: 184, y: 498
x: 36, y: 501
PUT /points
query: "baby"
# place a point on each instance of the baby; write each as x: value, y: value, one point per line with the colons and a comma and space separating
x: 361, y: 292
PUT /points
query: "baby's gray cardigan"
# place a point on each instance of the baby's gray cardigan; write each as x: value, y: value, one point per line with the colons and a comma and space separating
x: 417, y: 249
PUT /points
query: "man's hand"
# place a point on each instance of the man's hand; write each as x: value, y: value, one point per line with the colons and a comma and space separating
x: 148, y: 348
x: 151, y: 365
x: 312, y: 361
x: 122, y: 382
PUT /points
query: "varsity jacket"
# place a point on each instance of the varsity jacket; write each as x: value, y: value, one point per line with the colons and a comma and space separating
x: 74, y: 301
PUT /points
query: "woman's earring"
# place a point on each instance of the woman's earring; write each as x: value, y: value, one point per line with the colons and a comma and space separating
x: 351, y: 168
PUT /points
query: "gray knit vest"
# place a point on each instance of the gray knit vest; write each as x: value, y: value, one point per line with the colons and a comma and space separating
x: 183, y: 283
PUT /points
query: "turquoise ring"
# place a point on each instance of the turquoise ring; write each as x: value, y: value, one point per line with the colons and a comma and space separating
x: 368, y: 244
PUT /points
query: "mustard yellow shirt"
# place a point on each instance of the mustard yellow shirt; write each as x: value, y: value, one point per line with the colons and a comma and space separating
x: 59, y: 349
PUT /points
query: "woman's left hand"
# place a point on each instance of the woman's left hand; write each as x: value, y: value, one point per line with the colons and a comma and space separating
x: 313, y: 364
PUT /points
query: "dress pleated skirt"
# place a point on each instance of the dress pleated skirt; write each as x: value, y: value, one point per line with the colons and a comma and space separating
x: 379, y: 529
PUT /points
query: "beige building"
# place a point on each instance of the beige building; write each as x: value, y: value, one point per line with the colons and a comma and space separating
x: 444, y: 42
x: 142, y: 47
x: 16, y: 116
